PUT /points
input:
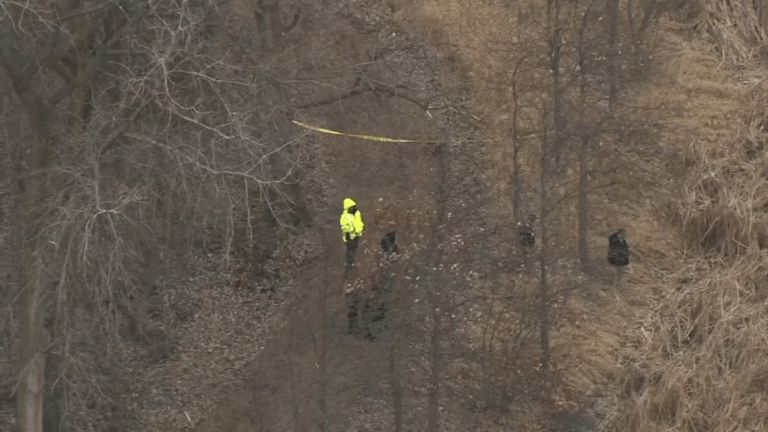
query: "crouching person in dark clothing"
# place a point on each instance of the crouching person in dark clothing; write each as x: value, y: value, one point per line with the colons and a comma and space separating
x: 618, y: 254
x: 388, y: 245
x: 377, y: 304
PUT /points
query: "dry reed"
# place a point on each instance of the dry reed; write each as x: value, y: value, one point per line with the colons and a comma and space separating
x: 700, y: 357
x: 737, y: 26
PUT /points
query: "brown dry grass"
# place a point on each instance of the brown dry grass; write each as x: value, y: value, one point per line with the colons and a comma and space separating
x: 700, y: 343
x: 702, y: 351
x: 685, y: 348
x: 736, y: 27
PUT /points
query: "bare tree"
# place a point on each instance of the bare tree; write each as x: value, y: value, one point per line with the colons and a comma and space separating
x: 552, y: 146
x: 544, y: 293
x: 519, y: 136
x: 554, y: 30
x: 322, y: 348
x: 435, y: 287
x: 120, y: 182
x: 587, y: 131
x: 612, y: 23
x: 398, y: 320
x: 270, y: 22
x: 638, y: 31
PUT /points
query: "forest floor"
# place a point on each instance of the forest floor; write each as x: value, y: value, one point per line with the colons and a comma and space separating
x: 237, y: 358
x: 244, y: 353
x: 233, y: 361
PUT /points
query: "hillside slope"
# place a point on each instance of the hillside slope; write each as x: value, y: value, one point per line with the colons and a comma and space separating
x: 678, y: 350
x: 248, y: 360
x: 699, y: 342
x: 683, y: 348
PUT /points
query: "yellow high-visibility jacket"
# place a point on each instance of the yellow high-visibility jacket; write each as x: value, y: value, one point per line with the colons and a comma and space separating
x: 351, y: 223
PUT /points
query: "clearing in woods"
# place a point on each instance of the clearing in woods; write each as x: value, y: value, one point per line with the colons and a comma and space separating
x: 276, y: 370
x: 673, y: 292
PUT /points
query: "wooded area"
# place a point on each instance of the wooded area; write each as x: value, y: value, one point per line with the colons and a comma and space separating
x: 164, y: 218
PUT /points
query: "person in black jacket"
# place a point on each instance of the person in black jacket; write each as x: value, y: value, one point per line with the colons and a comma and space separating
x: 618, y: 253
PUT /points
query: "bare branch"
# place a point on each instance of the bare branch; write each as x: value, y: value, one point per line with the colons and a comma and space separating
x: 364, y: 85
x: 95, y: 64
x: 87, y: 11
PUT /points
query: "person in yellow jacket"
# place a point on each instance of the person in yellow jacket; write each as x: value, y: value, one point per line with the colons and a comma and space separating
x: 351, y: 228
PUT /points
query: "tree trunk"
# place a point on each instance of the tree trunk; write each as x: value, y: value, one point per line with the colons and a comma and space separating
x: 292, y: 367
x: 433, y: 404
x: 612, y: 9
x: 584, y: 201
x: 395, y: 317
x: 556, y: 149
x: 762, y: 10
x: 270, y: 24
x: 324, y: 421
x: 555, y: 44
x: 435, y: 286
x: 397, y: 389
x: 261, y: 24
x: 32, y: 337
x: 29, y: 399
x: 78, y: 63
x: 544, y: 293
x: 32, y: 359
x: 649, y: 6
x: 54, y: 417
x: 276, y: 18
x: 544, y: 306
x: 516, y: 211
x: 583, y: 153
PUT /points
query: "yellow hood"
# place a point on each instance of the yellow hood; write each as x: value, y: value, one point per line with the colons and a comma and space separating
x: 348, y: 203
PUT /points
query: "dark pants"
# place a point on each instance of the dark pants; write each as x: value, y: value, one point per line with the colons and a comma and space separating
x: 351, y: 249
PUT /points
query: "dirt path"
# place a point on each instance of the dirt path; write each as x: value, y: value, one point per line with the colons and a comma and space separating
x: 373, y: 174
x: 277, y: 390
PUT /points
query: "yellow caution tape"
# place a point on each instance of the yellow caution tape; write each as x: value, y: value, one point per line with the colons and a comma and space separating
x: 365, y: 137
